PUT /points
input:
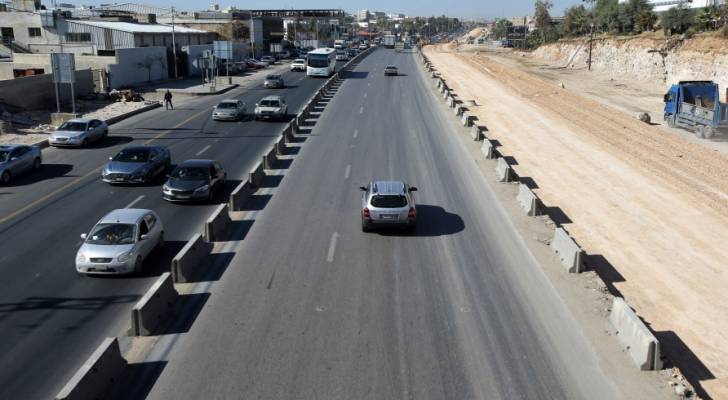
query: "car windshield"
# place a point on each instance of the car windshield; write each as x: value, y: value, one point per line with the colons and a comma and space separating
x: 111, y: 234
x: 227, y: 104
x: 299, y: 61
x: 191, y: 173
x: 4, y: 156
x: 269, y: 103
x: 318, y: 60
x: 391, y: 67
x: 389, y: 201
x: 73, y: 126
x: 132, y: 155
x: 272, y: 77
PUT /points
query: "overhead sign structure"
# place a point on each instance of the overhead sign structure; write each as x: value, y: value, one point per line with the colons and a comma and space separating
x: 64, y: 67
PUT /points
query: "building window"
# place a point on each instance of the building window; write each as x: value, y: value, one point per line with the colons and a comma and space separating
x: 76, y: 37
x: 34, y: 32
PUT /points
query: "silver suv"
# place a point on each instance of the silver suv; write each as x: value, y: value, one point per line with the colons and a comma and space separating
x: 388, y: 203
x: 271, y: 107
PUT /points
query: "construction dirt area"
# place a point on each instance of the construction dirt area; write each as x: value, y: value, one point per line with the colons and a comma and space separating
x: 649, y: 207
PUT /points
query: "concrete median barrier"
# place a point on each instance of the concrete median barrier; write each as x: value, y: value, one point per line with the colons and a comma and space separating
x: 280, y: 146
x: 570, y: 254
x: 466, y: 119
x: 270, y: 158
x: 457, y: 110
x: 488, y: 150
x: 256, y: 176
x: 445, y: 94
x: 503, y: 170
x: 450, y: 101
x: 217, y: 223
x: 634, y: 336
x: 155, y: 307
x: 529, y: 201
x: 187, y: 262
x: 301, y: 118
x: 240, y: 195
x: 476, y: 133
x: 98, y: 376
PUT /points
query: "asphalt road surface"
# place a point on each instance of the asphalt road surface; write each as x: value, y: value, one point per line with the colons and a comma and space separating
x: 51, y: 318
x: 311, y: 307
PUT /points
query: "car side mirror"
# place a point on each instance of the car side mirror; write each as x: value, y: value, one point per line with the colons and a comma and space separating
x: 144, y: 237
x: 412, y: 189
x: 362, y: 188
x: 84, y: 236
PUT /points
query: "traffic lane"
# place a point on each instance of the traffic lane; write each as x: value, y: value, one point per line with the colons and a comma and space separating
x: 337, y: 313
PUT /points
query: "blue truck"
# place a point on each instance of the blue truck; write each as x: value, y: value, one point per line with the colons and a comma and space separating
x: 695, y: 105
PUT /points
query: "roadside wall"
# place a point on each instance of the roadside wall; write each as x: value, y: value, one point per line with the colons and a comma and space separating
x: 657, y: 61
x: 37, y: 92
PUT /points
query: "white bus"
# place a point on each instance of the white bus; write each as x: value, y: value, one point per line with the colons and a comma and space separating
x: 321, y: 62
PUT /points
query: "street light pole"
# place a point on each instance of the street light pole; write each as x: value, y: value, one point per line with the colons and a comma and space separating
x: 591, y: 40
x: 174, y: 47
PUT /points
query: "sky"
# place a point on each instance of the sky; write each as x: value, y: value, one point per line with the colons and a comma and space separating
x: 456, y: 8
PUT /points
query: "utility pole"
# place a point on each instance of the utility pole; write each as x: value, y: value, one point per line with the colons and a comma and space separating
x: 174, y: 47
x: 591, y: 39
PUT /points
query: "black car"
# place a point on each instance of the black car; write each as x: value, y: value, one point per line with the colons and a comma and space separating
x: 136, y: 164
x: 194, y: 180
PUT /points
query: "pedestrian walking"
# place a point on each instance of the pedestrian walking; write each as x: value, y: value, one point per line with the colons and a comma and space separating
x: 168, y: 100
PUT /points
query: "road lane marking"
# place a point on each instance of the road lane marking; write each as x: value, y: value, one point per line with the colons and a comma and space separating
x: 361, y: 110
x: 356, y: 133
x: 348, y: 171
x: 365, y: 95
x: 332, y: 247
x: 138, y: 199
x: 204, y: 149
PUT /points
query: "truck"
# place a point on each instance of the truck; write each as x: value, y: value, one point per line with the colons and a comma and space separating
x: 339, y: 44
x: 696, y: 106
x: 389, y: 41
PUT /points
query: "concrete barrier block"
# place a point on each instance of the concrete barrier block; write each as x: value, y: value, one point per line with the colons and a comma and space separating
x: 450, y: 101
x: 270, y: 158
x: 445, y: 94
x: 187, y: 261
x: 217, y: 223
x: 301, y: 118
x: 634, y: 336
x: 438, y: 82
x: 240, y: 195
x: 280, y: 146
x: 155, y: 307
x: 466, y: 119
x: 255, y: 177
x: 503, y: 170
x: 570, y: 254
x: 488, y: 150
x: 476, y: 133
x: 457, y: 110
x: 529, y: 201
x: 98, y: 376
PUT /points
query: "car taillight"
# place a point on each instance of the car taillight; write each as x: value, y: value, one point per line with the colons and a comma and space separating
x: 412, y: 213
x: 365, y: 213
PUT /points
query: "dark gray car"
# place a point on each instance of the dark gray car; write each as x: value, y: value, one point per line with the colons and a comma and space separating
x: 16, y: 159
x: 194, y: 180
x: 136, y: 164
x: 274, y: 81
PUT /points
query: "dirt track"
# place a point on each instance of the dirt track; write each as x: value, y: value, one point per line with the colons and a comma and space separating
x: 650, y: 208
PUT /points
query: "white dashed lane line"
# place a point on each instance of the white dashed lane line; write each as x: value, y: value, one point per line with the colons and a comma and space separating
x: 204, y: 149
x: 138, y: 199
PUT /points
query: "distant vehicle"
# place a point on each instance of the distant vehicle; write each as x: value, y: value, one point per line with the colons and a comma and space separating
x: 268, y: 59
x: 78, y: 132
x: 16, y: 159
x: 271, y: 107
x: 194, y: 180
x: 120, y: 242
x: 321, y: 62
x: 230, y: 109
x: 339, y: 44
x: 362, y: 47
x: 342, y: 55
x: 298, y: 64
x: 283, y: 54
x: 389, y: 41
x: 399, y: 47
x: 352, y: 52
x: 695, y: 105
x: 388, y: 203
x: 253, y: 63
x: 136, y: 164
x: 391, y: 70
x: 274, y: 81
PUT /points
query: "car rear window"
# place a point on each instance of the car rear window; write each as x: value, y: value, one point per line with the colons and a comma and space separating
x: 273, y: 77
x: 73, y: 126
x: 269, y: 103
x: 227, y: 104
x: 389, y: 201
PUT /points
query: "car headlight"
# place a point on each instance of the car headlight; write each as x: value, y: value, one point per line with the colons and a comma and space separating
x: 124, y: 257
x: 165, y: 188
x: 203, y: 188
x: 80, y: 257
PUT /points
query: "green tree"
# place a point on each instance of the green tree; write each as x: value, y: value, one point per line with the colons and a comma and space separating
x: 501, y: 28
x: 576, y: 21
x: 708, y: 18
x: 635, y: 16
x: 677, y: 19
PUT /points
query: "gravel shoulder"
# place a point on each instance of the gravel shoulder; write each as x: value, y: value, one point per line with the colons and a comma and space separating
x: 649, y: 208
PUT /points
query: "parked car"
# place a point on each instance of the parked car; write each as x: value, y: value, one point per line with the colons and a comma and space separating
x: 194, y: 180
x: 255, y: 64
x: 271, y: 107
x: 16, y: 159
x: 391, y: 70
x: 342, y: 55
x: 79, y: 132
x: 283, y: 54
x: 120, y: 242
x: 274, y: 81
x: 298, y: 64
x: 362, y: 47
x: 388, y: 203
x: 136, y: 164
x: 230, y: 109
x: 269, y: 59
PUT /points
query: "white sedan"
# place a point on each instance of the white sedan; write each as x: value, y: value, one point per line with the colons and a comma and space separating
x: 79, y: 132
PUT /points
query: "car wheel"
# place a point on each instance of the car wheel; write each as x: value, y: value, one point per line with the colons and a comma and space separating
x: 160, y: 243
x: 36, y: 164
x: 5, y: 178
x: 138, y: 265
x: 365, y: 227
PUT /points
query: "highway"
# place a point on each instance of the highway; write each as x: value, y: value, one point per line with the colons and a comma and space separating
x: 51, y: 317
x: 311, y: 307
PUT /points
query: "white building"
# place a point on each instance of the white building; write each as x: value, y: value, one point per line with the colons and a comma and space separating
x: 664, y: 5
x: 362, y: 15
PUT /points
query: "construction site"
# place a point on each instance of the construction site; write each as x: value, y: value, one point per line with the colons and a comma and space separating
x: 646, y: 201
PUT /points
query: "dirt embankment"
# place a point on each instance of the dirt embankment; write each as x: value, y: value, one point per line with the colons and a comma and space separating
x: 651, y: 209
x: 651, y: 59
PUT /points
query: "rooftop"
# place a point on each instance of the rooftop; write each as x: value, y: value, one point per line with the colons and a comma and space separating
x: 138, y: 28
